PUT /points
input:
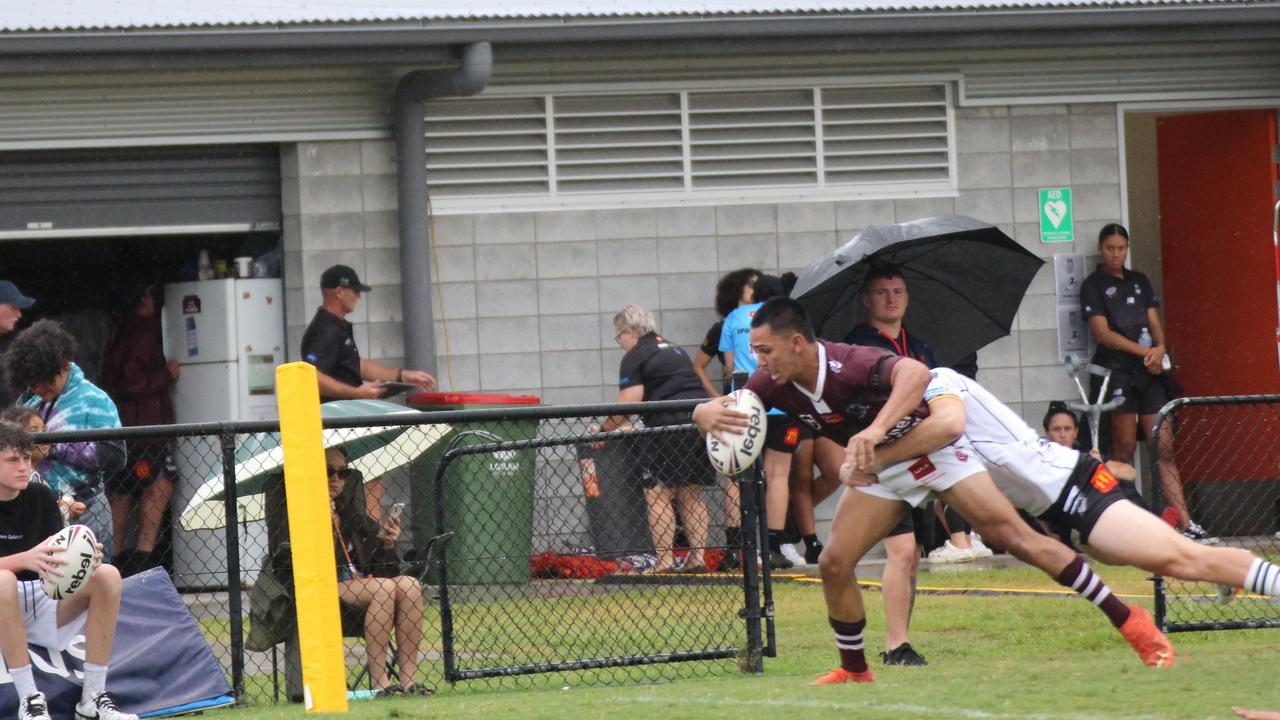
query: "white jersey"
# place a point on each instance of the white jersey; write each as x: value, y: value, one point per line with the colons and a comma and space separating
x: 1030, y: 470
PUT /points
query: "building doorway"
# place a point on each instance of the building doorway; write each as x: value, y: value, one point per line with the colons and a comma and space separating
x: 1201, y: 188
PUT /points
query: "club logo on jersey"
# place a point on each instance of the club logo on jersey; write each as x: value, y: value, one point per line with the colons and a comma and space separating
x: 961, y: 455
x: 922, y: 468
x: 1103, y: 480
x: 811, y: 421
x: 792, y: 438
x: 832, y: 418
x: 1111, y: 291
x: 857, y: 410
x: 835, y: 365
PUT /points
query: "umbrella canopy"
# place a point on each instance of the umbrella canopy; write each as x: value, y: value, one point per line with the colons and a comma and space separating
x: 965, y: 277
x: 371, y: 450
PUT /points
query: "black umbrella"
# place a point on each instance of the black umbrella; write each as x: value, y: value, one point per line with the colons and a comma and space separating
x: 966, y: 279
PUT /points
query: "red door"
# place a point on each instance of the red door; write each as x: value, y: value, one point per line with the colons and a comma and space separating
x: 1217, y: 191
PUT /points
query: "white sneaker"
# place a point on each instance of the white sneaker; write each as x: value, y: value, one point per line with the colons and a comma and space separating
x: 789, y: 552
x: 949, y: 553
x: 101, y: 707
x: 34, y: 707
x: 979, y: 550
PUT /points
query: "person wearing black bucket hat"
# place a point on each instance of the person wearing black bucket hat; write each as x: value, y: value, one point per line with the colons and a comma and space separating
x: 330, y: 345
x: 12, y: 303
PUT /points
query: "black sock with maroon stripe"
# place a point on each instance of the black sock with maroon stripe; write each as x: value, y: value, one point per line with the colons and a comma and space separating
x: 1085, y: 582
x: 849, y: 643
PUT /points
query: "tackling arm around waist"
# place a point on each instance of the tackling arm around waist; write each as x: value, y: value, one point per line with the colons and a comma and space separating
x: 944, y: 426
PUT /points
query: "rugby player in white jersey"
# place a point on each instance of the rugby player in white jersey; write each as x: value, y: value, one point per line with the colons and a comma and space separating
x: 1071, y: 492
x: 856, y: 398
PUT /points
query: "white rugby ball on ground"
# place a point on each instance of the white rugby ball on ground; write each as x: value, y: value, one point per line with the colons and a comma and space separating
x: 76, y: 544
x: 741, y: 449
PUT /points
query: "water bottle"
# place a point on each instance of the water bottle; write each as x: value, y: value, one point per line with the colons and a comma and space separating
x: 1145, y: 338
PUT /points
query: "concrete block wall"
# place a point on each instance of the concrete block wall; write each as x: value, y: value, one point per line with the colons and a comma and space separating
x: 339, y: 206
x: 1005, y: 155
x: 524, y: 301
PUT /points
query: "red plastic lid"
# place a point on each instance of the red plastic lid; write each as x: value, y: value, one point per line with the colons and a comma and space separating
x: 436, y: 398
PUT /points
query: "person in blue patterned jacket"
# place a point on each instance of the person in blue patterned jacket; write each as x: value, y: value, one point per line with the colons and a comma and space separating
x: 46, y: 380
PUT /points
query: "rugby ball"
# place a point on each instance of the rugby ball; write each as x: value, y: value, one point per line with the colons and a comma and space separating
x: 77, y: 545
x: 741, y: 449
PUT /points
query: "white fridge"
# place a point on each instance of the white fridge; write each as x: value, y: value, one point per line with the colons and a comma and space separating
x: 228, y: 336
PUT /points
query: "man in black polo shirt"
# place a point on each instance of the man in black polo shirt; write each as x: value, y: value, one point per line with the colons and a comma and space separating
x: 329, y: 345
x: 12, y: 303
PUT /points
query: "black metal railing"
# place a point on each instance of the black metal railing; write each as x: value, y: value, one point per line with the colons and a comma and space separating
x: 1222, y: 454
x: 526, y: 546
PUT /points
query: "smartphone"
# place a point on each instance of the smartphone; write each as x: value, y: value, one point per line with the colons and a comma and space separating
x: 397, y: 509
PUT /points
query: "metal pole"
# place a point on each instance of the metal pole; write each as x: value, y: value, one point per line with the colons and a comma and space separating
x: 770, y: 631
x: 228, y: 443
x: 753, y: 660
x: 442, y: 573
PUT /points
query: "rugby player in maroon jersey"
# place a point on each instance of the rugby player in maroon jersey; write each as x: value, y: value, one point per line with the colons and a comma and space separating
x: 856, y: 398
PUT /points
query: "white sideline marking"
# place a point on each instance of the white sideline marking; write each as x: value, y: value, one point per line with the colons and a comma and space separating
x: 874, y: 705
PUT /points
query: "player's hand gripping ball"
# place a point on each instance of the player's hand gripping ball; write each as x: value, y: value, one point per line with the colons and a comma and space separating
x: 739, y: 449
x: 77, y: 545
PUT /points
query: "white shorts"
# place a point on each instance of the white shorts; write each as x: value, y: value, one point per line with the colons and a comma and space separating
x: 40, y: 613
x: 913, y: 481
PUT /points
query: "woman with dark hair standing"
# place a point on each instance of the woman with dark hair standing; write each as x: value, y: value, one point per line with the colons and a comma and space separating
x: 734, y: 290
x: 42, y: 370
x: 1123, y: 314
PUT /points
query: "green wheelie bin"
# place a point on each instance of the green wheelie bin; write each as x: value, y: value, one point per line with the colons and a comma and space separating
x: 488, y: 496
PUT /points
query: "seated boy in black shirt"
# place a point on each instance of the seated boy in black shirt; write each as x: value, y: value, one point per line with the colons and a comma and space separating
x: 29, y: 516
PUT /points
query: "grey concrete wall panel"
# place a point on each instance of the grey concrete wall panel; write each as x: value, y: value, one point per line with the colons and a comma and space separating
x: 140, y: 187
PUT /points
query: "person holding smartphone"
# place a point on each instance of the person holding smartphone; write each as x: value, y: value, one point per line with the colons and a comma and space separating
x: 369, y: 576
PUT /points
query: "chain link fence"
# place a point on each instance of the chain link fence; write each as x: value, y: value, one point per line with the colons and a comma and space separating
x: 498, y: 547
x: 1224, y: 455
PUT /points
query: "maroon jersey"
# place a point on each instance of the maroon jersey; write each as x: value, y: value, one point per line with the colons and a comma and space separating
x: 853, y: 385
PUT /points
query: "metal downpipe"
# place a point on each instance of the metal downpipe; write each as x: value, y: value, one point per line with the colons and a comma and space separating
x: 414, y: 89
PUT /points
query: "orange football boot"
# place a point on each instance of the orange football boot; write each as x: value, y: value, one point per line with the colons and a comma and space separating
x: 1144, y: 637
x: 840, y: 675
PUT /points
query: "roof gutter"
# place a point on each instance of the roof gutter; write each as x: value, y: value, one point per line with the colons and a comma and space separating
x: 414, y: 89
x: 560, y: 30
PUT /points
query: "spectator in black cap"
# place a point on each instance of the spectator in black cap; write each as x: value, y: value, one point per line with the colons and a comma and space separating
x: 329, y: 345
x: 12, y: 303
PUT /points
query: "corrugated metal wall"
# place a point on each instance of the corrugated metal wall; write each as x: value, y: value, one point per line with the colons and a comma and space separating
x: 273, y: 105
x: 73, y: 191
x: 134, y: 108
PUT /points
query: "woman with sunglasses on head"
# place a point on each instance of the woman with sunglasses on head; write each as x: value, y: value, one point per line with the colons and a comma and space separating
x: 369, y: 577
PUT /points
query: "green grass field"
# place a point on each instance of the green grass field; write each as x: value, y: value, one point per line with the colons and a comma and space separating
x: 991, y: 656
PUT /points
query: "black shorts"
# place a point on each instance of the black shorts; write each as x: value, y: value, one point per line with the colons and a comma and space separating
x: 785, y: 435
x: 918, y: 520
x: 674, y: 460
x: 1143, y: 392
x: 1089, y: 491
x: 145, y: 464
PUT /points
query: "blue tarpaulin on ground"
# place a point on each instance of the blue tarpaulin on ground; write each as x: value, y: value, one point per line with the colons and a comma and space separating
x: 160, y: 662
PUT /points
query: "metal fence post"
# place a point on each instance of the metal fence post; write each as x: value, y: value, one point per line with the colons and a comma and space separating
x: 751, y: 611
x: 228, y: 443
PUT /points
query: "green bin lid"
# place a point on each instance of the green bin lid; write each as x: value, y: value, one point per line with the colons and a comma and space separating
x: 437, y: 398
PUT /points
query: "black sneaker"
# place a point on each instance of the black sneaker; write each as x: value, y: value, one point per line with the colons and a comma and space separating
x: 1199, y: 534
x: 811, y: 553
x: 904, y: 654
x: 778, y: 561
x: 731, y: 561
